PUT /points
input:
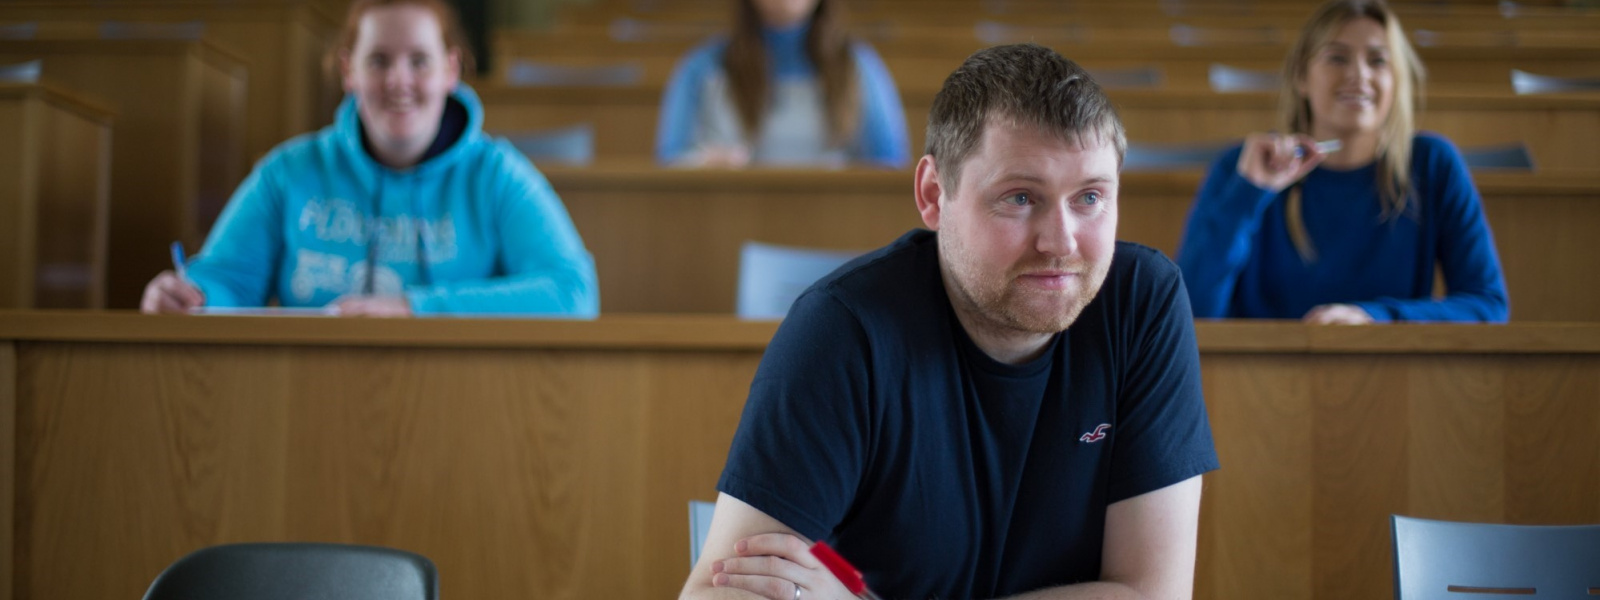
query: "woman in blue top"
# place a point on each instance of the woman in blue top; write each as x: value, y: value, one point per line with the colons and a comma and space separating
x: 789, y: 73
x: 1283, y: 230
x: 403, y: 206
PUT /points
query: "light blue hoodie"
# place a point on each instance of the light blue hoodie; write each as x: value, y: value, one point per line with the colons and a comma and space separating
x: 474, y: 229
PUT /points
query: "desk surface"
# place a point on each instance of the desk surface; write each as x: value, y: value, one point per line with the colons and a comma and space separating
x: 725, y: 332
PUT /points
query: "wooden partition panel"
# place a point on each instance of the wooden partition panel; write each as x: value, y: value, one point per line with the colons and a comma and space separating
x: 282, y: 41
x: 178, y: 151
x: 555, y: 459
x: 1555, y: 129
x: 54, y: 187
x: 668, y: 240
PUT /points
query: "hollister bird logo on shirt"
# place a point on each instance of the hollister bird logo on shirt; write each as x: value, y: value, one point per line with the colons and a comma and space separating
x: 1098, y: 434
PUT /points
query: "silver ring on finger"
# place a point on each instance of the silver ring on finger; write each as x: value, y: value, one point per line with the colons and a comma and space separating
x: 796, y: 591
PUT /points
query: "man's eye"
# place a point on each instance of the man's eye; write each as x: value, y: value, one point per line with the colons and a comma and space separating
x: 1091, y: 198
x: 1019, y: 199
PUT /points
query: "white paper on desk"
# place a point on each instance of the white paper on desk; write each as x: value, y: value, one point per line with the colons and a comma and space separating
x: 265, y: 311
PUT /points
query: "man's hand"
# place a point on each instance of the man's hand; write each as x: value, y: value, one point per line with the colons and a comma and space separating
x: 777, y: 566
x: 372, y: 306
x: 1337, y: 314
x: 170, y: 294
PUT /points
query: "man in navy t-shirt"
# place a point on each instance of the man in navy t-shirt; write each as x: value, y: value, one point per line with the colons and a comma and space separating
x: 1008, y: 404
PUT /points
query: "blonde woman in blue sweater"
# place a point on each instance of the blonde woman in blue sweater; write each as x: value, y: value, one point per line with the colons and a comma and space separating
x: 1284, y: 230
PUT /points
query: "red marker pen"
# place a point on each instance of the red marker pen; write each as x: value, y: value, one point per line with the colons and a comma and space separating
x: 848, y: 575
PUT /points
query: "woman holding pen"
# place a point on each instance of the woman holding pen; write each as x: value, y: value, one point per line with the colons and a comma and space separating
x: 1345, y: 216
x: 403, y: 206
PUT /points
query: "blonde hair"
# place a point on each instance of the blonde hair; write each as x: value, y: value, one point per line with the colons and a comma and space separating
x: 828, y: 47
x: 1394, y: 140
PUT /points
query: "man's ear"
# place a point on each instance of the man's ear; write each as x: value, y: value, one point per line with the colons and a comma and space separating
x: 929, y: 191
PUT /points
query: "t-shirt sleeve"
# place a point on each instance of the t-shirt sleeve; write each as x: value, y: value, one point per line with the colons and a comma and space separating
x: 1163, y: 436
x: 801, y: 446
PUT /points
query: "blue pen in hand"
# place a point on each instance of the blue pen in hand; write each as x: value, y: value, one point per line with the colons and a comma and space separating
x: 180, y: 264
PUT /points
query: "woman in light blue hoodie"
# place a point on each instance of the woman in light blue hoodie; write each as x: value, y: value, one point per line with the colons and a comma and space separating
x: 402, y: 207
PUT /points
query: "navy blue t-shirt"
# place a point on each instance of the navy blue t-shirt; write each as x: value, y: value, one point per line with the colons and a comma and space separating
x: 875, y: 423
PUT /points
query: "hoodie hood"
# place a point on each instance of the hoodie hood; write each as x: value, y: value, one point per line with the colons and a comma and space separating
x: 347, y: 129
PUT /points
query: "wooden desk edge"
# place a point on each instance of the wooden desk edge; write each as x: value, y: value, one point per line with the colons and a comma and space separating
x: 697, y: 332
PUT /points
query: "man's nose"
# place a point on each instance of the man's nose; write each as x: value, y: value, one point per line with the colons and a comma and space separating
x: 1057, y: 231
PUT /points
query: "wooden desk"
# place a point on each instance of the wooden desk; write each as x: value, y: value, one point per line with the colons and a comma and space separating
x: 554, y: 459
x: 283, y: 41
x: 55, y: 178
x: 178, y: 152
x: 1458, y: 57
x: 1557, y: 129
x: 668, y: 240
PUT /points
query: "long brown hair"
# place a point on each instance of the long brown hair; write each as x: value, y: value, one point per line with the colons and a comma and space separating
x: 455, y: 37
x: 1394, y: 140
x: 828, y: 47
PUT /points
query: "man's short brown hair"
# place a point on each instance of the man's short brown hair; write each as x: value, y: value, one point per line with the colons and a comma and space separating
x: 1027, y: 84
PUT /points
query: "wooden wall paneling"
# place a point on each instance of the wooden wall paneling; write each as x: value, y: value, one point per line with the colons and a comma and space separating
x: 1261, y: 420
x: 158, y: 89
x: 667, y: 241
x: 1456, y: 448
x: 628, y: 237
x: 19, y: 190
x: 8, y: 467
x: 53, y: 206
x: 282, y: 40
x: 1359, y: 472
x: 134, y: 455
x: 1552, y: 469
x: 522, y: 458
x: 75, y: 204
x: 1542, y: 252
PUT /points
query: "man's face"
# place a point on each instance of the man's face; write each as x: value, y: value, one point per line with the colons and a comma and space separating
x: 1026, y: 237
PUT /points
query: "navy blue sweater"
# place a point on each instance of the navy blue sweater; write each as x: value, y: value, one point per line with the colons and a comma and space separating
x: 1239, y: 262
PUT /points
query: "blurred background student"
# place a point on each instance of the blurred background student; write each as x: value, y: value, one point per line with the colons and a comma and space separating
x: 1281, y: 230
x: 403, y: 206
x: 788, y: 87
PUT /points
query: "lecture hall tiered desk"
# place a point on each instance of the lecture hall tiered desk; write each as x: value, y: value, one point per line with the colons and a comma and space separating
x: 554, y: 459
x: 178, y: 149
x: 55, y: 177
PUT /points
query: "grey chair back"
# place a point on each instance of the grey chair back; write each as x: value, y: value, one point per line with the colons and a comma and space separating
x: 19, y: 31
x: 1525, y: 83
x: 772, y: 277
x: 1190, y: 36
x: 528, y: 73
x: 123, y: 30
x: 573, y: 146
x: 1234, y: 79
x: 1445, y: 560
x: 700, y: 513
x: 1506, y: 156
x: 994, y: 33
x: 297, y: 570
x: 1172, y: 157
x: 1131, y: 78
x: 27, y: 72
x: 638, y: 30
